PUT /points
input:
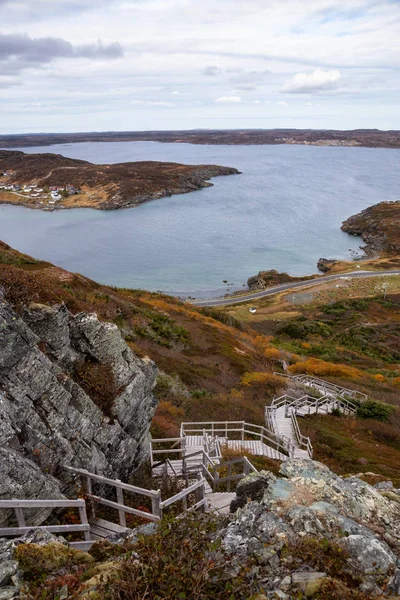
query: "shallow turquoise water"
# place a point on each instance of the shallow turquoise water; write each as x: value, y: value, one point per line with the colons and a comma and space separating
x: 283, y: 212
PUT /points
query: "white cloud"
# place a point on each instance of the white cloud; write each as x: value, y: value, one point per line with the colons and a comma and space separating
x: 317, y: 81
x: 230, y: 51
x: 282, y: 103
x: 256, y: 102
x: 228, y: 100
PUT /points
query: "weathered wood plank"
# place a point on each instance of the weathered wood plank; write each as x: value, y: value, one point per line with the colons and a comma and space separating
x: 120, y: 499
x: 6, y: 531
x: 128, y: 509
x: 20, y: 517
x: 113, y: 482
x: 16, y: 503
x: 104, y: 524
x: 85, y: 546
x: 183, y: 493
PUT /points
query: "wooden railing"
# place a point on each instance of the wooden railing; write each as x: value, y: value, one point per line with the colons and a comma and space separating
x: 293, y: 405
x: 157, y: 504
x: 198, y: 488
x: 307, y: 401
x: 327, y: 385
x: 163, y: 446
x: 303, y: 441
x: 88, y: 478
x: 243, y: 461
x: 239, y: 430
x: 19, y: 505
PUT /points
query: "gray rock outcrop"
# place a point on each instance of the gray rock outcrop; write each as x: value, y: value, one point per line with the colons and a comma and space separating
x: 272, y: 515
x: 47, y: 420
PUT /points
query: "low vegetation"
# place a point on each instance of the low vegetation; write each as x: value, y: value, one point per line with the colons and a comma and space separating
x: 356, y: 445
x: 215, y: 366
x: 169, y: 563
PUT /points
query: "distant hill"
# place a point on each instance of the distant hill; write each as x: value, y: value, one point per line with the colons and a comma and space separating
x: 371, y: 138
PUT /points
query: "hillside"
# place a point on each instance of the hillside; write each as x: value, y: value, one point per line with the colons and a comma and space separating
x: 85, y: 384
x: 217, y: 365
x: 83, y: 184
x: 371, y: 138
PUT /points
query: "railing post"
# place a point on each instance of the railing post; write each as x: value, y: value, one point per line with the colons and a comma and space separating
x: 89, y: 491
x: 151, y: 452
x: 156, y: 505
x: 242, y: 431
x: 120, y: 499
x: 84, y: 521
x: 19, y: 513
x: 183, y: 445
x: 216, y: 480
x: 200, y: 495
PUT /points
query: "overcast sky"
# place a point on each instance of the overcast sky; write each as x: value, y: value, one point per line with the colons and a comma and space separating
x: 85, y: 65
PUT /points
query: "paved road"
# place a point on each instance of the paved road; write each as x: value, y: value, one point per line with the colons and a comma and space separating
x: 288, y: 286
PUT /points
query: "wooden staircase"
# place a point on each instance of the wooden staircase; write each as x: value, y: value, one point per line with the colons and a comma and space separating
x: 195, y: 459
x: 281, y: 415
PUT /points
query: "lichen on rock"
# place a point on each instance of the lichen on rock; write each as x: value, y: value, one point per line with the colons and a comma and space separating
x: 48, y: 420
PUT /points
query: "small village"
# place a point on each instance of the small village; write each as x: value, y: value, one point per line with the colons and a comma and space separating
x: 47, y: 196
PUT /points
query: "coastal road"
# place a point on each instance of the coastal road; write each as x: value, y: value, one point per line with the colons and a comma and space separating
x: 289, y: 286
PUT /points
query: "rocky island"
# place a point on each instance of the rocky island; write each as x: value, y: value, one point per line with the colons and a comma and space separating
x: 50, y: 181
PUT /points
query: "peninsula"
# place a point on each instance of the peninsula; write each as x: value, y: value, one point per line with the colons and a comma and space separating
x: 50, y: 181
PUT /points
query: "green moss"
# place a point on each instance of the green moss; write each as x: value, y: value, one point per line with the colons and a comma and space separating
x: 38, y: 561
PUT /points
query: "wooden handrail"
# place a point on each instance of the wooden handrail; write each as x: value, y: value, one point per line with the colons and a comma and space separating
x: 19, y: 504
x: 340, y: 390
x: 185, y: 492
x: 265, y: 435
x: 113, y: 482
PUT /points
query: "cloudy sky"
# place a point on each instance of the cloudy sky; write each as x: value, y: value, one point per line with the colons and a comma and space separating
x: 84, y: 65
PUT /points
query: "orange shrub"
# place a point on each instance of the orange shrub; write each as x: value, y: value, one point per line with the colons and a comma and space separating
x: 273, y: 354
x: 380, y: 378
x: 262, y: 378
x: 315, y: 366
x: 396, y: 381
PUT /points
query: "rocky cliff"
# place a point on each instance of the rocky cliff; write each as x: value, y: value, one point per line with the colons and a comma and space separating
x: 379, y: 226
x: 71, y: 393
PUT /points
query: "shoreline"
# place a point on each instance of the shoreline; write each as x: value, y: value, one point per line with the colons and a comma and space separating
x: 368, y: 138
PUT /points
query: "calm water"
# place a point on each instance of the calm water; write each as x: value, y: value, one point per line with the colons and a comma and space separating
x: 283, y: 212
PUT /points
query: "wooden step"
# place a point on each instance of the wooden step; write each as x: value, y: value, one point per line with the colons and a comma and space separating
x: 220, y: 501
x: 101, y: 529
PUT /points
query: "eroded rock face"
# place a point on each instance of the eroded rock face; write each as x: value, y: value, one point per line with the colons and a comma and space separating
x: 47, y: 420
x: 309, y: 501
